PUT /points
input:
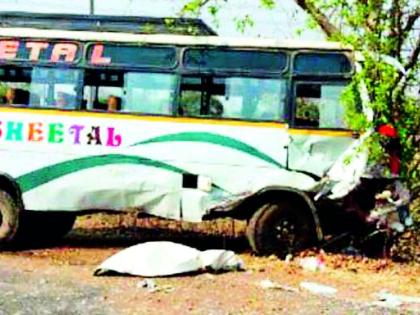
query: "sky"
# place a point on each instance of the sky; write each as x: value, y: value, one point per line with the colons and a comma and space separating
x: 283, y: 22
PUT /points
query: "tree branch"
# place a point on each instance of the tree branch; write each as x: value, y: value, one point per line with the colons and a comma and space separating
x: 414, y: 57
x: 322, y: 20
x: 411, y: 20
x: 411, y: 63
x: 395, y: 37
x: 403, y: 31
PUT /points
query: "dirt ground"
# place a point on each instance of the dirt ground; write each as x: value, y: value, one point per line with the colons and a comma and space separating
x: 57, y: 278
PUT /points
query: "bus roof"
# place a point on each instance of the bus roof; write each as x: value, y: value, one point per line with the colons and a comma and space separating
x: 182, y: 40
x: 106, y: 23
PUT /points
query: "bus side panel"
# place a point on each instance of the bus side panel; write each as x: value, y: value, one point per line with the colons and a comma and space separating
x: 318, y: 150
x: 78, y: 161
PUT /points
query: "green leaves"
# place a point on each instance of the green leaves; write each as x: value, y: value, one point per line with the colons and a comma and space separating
x: 243, y: 23
x: 268, y: 4
x: 377, y: 29
x: 193, y: 7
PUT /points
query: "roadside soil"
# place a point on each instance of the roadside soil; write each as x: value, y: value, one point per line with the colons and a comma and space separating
x: 57, y: 278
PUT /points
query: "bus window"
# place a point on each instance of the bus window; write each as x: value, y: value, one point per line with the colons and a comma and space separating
x: 103, y: 54
x: 128, y: 91
x: 149, y: 93
x: 56, y: 87
x: 318, y: 105
x: 322, y: 63
x: 233, y: 98
x: 100, y: 86
x: 14, y: 85
x: 97, y: 98
x: 208, y: 60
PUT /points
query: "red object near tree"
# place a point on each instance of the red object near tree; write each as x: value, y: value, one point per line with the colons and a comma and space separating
x: 388, y: 131
x: 394, y: 164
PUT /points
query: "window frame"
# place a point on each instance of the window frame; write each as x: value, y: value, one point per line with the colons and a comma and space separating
x: 124, y: 67
x: 174, y: 99
x: 251, y: 73
x: 313, y: 80
x: 285, y: 75
x: 123, y: 72
x: 55, y: 66
x: 296, y: 53
x: 225, y: 74
x: 290, y: 78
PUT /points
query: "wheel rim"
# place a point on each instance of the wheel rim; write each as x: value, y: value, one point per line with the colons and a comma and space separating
x: 283, y: 236
x: 285, y: 232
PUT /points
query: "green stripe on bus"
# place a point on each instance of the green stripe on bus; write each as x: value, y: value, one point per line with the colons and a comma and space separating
x: 214, y: 139
x: 46, y: 174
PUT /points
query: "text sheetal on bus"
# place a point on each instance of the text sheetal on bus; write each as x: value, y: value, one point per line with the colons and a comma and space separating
x: 49, y: 51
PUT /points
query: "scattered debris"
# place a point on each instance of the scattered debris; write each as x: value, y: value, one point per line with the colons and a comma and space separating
x: 390, y: 218
x: 268, y: 284
x: 386, y: 299
x: 314, y: 263
x: 152, y: 287
x: 288, y: 258
x: 317, y: 288
x: 148, y: 284
x: 154, y: 259
x: 375, y: 233
x: 391, y: 209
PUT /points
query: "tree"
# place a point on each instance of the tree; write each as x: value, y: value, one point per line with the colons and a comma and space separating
x: 383, y: 31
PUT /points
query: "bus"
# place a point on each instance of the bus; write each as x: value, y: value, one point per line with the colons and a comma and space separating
x: 176, y: 126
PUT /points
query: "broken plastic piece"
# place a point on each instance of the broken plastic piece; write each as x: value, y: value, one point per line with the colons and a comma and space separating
x: 386, y: 299
x: 316, y: 263
x: 317, y: 288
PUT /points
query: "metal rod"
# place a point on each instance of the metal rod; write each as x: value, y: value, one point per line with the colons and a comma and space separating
x: 92, y: 7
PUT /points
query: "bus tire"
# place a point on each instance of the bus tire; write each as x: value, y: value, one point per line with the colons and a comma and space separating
x: 9, y: 218
x: 279, y: 228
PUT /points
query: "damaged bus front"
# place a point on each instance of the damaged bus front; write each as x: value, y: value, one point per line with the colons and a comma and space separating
x: 180, y: 127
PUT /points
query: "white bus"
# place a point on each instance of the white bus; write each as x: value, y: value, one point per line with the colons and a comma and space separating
x: 180, y: 127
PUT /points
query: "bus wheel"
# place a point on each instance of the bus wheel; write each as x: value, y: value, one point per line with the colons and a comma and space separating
x: 9, y: 218
x: 279, y: 228
x: 46, y: 226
